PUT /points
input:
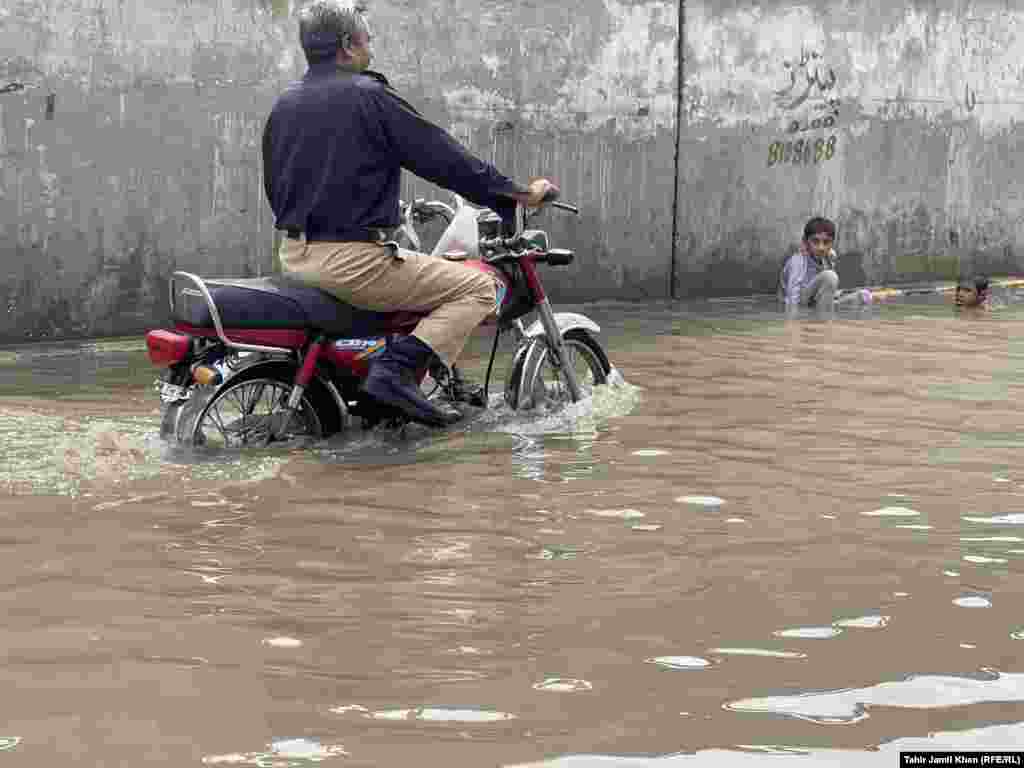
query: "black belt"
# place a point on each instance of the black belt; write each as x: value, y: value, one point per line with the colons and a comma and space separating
x: 358, y: 235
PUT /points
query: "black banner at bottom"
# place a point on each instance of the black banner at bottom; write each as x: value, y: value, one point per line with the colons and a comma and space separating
x: 961, y: 758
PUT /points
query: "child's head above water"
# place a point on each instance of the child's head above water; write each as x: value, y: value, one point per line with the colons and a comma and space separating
x: 972, y: 291
x: 819, y: 235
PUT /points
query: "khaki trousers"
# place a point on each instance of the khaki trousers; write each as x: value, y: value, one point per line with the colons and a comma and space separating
x: 386, y: 278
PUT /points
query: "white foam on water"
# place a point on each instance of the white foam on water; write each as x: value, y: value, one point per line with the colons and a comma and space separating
x: 982, y: 560
x: 701, y: 501
x: 444, y: 715
x: 924, y: 692
x: 892, y: 512
x: 1014, y: 519
x: 650, y: 452
x: 1006, y: 539
x: 344, y: 709
x: 757, y: 652
x: 915, y: 527
x: 282, y: 642
x: 563, y: 685
x: 621, y: 514
x: 952, y: 574
x: 608, y: 401
x: 865, y: 622
x: 648, y: 528
x: 973, y: 602
x: 679, y: 662
x: 304, y: 750
x: 810, y: 633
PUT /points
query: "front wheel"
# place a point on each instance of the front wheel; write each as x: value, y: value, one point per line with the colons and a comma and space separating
x: 535, y: 380
x: 246, y: 414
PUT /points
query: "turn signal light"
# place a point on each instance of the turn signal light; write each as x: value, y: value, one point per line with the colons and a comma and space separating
x: 206, y: 376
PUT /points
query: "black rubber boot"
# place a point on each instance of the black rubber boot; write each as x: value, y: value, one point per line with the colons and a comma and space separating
x: 392, y: 381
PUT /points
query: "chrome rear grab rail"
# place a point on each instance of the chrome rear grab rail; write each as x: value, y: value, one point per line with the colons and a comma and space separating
x: 218, y: 326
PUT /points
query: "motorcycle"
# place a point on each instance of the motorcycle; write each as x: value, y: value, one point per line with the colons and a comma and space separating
x: 253, y: 361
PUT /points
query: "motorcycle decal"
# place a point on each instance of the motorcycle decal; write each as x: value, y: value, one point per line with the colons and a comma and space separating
x: 378, y: 345
x: 353, y: 344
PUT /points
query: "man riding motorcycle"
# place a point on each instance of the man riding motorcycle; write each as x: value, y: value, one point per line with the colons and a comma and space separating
x: 333, y: 149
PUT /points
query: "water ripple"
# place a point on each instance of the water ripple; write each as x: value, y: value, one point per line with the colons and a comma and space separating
x: 865, y: 622
x: 563, y: 685
x: 973, y: 601
x: 758, y: 652
x: 810, y: 633
x: 1014, y: 519
x: 443, y: 715
x: 892, y: 512
x: 679, y: 662
x: 701, y: 501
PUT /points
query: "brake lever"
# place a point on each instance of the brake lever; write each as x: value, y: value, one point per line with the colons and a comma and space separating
x: 566, y: 207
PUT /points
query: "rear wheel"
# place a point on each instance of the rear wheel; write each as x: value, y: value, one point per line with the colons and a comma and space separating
x: 249, y: 413
x: 538, y: 382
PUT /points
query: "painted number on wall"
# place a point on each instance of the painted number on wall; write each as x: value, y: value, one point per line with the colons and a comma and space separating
x: 801, y: 151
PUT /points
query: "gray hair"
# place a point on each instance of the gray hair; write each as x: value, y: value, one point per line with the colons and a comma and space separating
x: 326, y: 26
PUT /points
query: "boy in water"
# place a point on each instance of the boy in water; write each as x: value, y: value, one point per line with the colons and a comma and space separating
x: 809, y: 277
x: 973, y: 293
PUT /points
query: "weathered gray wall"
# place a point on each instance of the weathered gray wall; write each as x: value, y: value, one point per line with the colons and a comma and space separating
x: 924, y: 175
x: 135, y: 148
x: 148, y: 159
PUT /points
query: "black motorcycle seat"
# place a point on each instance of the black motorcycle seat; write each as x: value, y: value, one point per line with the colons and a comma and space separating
x: 273, y: 302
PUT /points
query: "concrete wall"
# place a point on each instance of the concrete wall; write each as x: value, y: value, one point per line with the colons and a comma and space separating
x: 133, y: 150
x: 917, y: 153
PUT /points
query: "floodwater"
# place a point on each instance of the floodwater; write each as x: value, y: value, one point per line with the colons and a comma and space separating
x: 786, y: 543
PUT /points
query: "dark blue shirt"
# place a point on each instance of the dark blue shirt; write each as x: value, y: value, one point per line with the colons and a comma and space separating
x: 334, y: 146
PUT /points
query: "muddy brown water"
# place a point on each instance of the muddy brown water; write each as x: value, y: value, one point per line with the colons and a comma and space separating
x: 779, y: 542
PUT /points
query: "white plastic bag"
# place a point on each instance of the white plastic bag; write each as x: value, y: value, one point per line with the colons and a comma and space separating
x: 462, y: 234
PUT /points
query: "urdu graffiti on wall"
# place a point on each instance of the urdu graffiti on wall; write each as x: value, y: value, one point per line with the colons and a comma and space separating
x: 809, y: 102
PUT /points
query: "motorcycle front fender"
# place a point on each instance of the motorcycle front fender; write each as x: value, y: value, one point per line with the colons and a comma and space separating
x: 566, y: 322
x: 532, y: 350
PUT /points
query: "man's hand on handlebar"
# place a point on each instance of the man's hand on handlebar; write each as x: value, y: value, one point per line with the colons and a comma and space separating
x: 539, y: 191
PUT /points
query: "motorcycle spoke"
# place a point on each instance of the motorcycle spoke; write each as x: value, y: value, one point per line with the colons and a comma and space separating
x: 258, y: 391
x: 218, y: 422
x: 244, y: 410
x: 246, y: 415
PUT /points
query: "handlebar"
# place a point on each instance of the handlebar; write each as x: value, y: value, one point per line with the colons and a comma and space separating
x: 551, y: 197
